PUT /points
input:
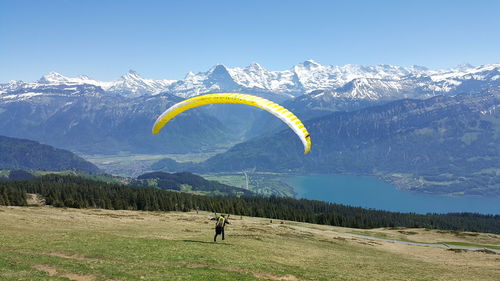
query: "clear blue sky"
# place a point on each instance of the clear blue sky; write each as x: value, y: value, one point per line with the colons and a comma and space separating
x: 166, y: 39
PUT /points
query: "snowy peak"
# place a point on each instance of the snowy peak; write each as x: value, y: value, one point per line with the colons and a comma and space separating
x: 131, y: 75
x: 219, y: 71
x: 216, y: 79
x: 132, y: 84
x: 254, y: 67
x: 464, y: 67
x: 309, y: 64
x: 189, y: 75
x: 53, y: 77
x: 57, y: 78
x: 131, y: 80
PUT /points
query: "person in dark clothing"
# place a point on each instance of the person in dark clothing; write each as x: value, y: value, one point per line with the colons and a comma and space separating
x: 221, y: 221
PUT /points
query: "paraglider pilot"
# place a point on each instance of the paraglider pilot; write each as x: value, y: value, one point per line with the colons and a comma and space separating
x: 219, y: 225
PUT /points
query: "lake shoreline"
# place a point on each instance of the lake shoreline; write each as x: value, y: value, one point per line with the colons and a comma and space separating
x: 376, y: 193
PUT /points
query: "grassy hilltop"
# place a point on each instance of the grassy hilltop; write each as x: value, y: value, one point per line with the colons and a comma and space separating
x: 45, y: 243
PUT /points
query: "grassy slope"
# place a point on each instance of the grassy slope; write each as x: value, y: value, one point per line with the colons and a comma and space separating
x: 44, y: 243
x: 435, y: 236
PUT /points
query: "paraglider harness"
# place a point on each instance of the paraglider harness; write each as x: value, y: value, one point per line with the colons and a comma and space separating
x: 219, y: 226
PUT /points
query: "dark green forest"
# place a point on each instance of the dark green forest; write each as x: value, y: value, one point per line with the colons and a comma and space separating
x: 77, y: 192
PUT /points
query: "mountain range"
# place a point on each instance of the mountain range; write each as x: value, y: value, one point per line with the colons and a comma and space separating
x: 348, y: 81
x: 106, y: 117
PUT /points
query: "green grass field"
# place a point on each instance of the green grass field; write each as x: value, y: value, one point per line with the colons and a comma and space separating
x: 45, y: 243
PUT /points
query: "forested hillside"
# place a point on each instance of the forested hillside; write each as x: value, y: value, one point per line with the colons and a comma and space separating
x: 76, y: 192
x: 31, y: 155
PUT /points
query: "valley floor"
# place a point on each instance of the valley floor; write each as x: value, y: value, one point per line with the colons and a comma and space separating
x: 45, y: 243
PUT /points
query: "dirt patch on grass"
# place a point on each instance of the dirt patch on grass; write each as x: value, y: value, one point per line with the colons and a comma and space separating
x: 52, y: 271
x: 45, y: 268
x: 368, y: 243
x: 191, y: 230
x: 457, y: 233
x: 52, y: 254
x: 456, y: 250
x: 70, y: 256
x: 407, y: 232
x: 268, y: 276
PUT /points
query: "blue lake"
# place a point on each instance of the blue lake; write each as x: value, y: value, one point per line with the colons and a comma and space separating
x: 370, y: 192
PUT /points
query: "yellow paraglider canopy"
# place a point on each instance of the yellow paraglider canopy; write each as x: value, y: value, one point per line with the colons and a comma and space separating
x: 277, y: 110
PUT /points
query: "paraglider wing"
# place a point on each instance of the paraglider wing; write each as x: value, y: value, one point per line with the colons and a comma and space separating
x: 277, y: 110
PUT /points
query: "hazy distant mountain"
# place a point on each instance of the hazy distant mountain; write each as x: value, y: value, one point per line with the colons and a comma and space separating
x: 87, y: 119
x: 310, y: 106
x: 30, y: 155
x: 438, y: 145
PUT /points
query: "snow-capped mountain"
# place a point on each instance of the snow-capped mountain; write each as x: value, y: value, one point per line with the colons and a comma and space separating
x: 128, y: 85
x: 134, y: 85
x: 381, y: 82
x: 349, y: 81
x: 302, y: 78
